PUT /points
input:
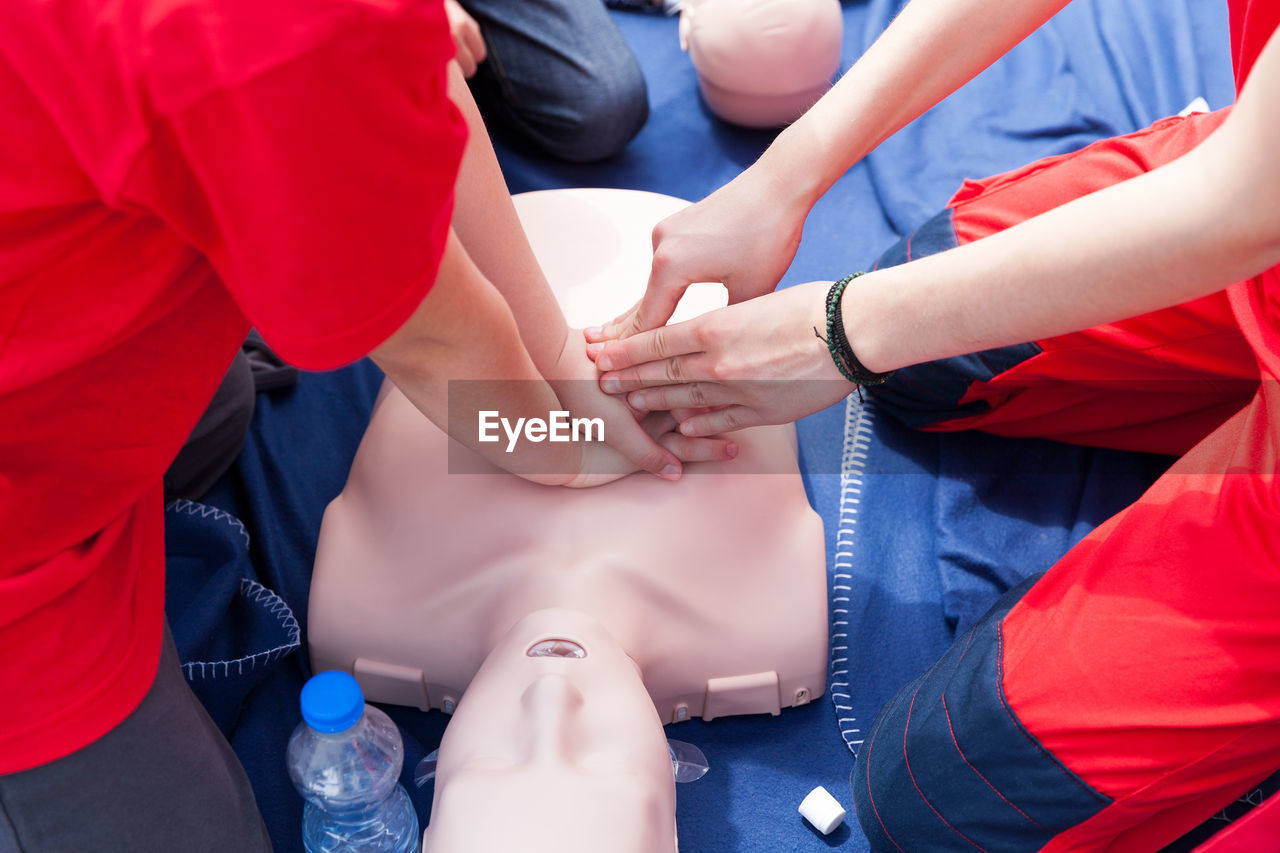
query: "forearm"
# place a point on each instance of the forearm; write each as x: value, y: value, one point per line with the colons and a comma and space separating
x: 1183, y: 231
x: 1180, y: 232
x: 931, y: 49
x: 465, y: 332
x: 486, y: 223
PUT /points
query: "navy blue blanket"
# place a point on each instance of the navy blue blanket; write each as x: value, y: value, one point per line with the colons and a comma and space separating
x: 923, y: 531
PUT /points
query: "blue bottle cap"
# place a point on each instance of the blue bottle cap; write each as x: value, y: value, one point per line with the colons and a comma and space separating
x: 332, y: 702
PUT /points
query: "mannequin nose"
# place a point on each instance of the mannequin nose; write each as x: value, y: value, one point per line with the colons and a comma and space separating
x: 552, y: 702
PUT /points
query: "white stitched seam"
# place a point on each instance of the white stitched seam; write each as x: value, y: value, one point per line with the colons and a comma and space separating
x: 252, y: 591
x: 205, y: 511
x: 259, y: 594
x: 858, y: 419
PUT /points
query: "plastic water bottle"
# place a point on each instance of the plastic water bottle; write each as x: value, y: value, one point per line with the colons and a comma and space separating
x: 345, y: 758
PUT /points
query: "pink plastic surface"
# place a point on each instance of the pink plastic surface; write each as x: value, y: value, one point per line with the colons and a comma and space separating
x: 762, y: 63
x: 554, y: 754
x: 705, y: 597
x: 715, y: 585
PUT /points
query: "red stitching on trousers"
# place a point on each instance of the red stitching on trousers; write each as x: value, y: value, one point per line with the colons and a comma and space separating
x: 1009, y: 802
x: 870, y: 797
x: 912, y: 776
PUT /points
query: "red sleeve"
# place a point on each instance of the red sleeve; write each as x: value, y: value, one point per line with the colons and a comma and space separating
x: 319, y: 181
x: 1252, y: 23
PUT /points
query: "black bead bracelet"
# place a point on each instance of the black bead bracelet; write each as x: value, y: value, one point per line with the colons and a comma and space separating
x: 838, y: 344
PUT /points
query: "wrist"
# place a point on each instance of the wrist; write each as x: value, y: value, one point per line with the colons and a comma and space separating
x: 860, y: 322
x: 788, y: 167
x: 841, y: 351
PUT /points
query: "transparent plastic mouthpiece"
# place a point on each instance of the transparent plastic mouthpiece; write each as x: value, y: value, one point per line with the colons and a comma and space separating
x: 687, y: 761
x: 426, y: 769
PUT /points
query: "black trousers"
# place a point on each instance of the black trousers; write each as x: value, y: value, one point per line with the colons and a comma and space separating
x: 165, y: 779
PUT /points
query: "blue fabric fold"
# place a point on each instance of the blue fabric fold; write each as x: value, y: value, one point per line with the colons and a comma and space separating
x: 229, y: 629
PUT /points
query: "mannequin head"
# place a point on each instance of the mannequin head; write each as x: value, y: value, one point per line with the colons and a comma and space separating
x: 554, y: 747
x: 762, y: 63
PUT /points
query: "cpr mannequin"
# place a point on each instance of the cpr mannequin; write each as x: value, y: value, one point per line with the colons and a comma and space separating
x: 762, y: 63
x: 705, y: 597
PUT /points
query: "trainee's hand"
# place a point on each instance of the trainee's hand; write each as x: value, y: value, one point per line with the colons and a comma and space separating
x: 602, y: 463
x: 758, y: 362
x: 633, y: 441
x: 467, y: 40
x: 744, y: 235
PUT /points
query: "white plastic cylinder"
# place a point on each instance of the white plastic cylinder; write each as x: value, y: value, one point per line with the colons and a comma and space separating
x: 822, y: 810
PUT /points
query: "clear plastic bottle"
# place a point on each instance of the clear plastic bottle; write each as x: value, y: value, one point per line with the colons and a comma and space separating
x: 345, y: 758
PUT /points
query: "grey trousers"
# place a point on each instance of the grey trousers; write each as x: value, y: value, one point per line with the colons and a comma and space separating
x: 165, y: 779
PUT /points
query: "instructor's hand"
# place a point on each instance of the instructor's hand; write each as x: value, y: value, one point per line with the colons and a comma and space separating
x: 744, y: 235
x: 757, y: 362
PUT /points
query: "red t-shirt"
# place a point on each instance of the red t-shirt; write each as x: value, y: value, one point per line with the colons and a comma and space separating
x: 1257, y: 303
x: 170, y: 172
x: 1252, y: 23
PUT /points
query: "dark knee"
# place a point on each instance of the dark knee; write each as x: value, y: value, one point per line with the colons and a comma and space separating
x: 601, y: 116
x: 884, y: 793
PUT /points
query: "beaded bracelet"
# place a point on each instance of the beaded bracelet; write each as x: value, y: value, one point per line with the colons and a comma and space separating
x: 838, y: 344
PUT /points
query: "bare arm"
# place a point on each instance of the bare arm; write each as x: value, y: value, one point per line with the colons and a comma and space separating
x: 1179, y: 232
x: 486, y: 223
x: 931, y: 49
x: 465, y: 331
x: 1182, y: 231
x: 746, y: 233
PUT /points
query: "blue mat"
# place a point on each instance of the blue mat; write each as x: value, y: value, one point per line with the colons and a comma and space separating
x: 923, y: 531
